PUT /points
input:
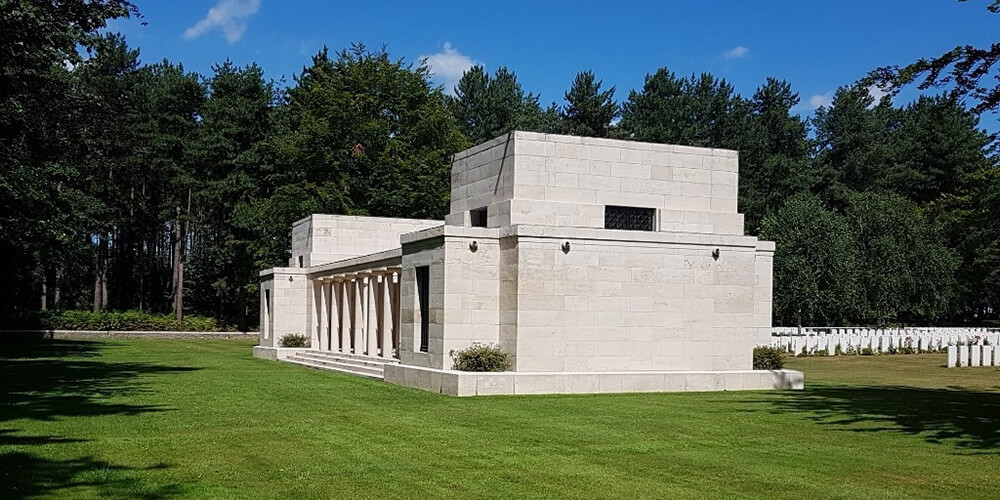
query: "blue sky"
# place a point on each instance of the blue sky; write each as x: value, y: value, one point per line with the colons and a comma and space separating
x: 815, y: 45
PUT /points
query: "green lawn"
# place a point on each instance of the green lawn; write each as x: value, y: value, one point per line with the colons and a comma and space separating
x: 203, y: 419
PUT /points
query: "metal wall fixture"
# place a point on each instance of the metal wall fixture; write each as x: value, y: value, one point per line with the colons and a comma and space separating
x: 715, y: 254
x: 565, y: 247
x: 474, y: 245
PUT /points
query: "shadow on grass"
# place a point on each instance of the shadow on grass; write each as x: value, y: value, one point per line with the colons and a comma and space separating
x: 966, y: 419
x: 25, y: 475
x: 46, y: 380
x: 26, y: 347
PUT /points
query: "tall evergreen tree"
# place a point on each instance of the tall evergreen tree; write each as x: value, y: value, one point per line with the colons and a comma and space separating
x: 695, y: 111
x: 172, y: 99
x: 939, y: 144
x: 775, y: 162
x: 235, y: 120
x: 589, y: 111
x: 486, y: 107
x: 106, y: 84
x: 855, y: 151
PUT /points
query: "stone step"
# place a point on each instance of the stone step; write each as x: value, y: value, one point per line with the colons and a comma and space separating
x: 341, y: 355
x: 361, y: 363
x: 336, y: 367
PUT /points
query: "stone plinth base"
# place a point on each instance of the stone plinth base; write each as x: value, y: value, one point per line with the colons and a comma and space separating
x: 456, y: 383
x: 276, y: 353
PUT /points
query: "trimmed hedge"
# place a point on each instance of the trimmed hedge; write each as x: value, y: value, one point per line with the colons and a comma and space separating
x: 112, y: 321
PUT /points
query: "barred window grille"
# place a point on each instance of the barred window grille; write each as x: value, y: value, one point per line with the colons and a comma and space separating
x: 629, y: 218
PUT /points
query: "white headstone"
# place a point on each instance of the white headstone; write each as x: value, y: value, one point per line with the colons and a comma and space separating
x: 952, y: 356
x: 963, y: 355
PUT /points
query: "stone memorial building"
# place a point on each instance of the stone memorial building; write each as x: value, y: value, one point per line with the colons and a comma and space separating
x: 598, y: 265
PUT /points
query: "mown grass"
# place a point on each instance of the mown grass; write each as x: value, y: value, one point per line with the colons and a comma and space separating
x: 203, y: 419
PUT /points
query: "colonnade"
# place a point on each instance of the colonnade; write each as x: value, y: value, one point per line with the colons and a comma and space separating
x: 358, y: 312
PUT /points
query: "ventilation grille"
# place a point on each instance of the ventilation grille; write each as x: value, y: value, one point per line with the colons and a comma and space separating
x: 629, y: 218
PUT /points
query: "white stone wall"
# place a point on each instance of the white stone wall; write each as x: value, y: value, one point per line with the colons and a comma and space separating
x: 464, y: 293
x: 627, y: 305
x: 472, y: 289
x: 764, y: 291
x: 291, y: 303
x: 483, y: 176
x: 567, y: 181
x: 426, y: 252
x: 321, y: 239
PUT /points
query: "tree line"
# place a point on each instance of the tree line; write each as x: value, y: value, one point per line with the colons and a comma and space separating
x: 148, y: 186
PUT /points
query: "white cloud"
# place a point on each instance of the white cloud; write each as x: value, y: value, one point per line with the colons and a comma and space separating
x: 826, y: 99
x: 448, y: 66
x: 817, y: 100
x: 230, y: 16
x: 736, y: 52
x: 877, y: 94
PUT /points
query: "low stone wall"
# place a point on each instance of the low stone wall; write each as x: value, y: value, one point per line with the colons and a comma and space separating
x: 69, y: 334
x: 457, y: 383
x: 276, y: 353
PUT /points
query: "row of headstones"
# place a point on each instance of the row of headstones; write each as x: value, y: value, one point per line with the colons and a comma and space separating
x: 869, y: 332
x: 882, y: 344
x: 972, y: 355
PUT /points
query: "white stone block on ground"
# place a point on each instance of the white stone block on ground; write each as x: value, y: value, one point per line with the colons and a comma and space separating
x: 952, y: 356
x: 975, y: 352
x: 987, y: 355
x: 963, y: 355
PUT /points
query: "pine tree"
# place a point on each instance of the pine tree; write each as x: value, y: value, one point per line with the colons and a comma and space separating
x: 486, y: 107
x: 589, y: 111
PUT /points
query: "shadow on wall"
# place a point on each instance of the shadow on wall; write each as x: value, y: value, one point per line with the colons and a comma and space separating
x: 45, y: 380
x: 967, y: 420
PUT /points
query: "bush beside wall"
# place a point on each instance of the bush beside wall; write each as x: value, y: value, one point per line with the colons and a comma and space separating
x: 294, y: 340
x: 768, y: 358
x: 481, y: 358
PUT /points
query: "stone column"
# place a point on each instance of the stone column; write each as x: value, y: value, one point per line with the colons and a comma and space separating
x: 371, y: 315
x: 385, y: 326
x: 330, y: 326
x: 345, y: 315
x: 358, y: 319
x: 397, y: 317
x: 321, y: 315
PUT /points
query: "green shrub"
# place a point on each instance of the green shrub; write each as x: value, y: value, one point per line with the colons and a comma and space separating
x: 481, y: 358
x: 837, y: 351
x: 294, y: 340
x: 768, y: 358
x: 821, y: 352
x: 867, y: 351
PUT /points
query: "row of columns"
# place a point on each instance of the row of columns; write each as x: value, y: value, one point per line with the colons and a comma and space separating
x: 358, y: 313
